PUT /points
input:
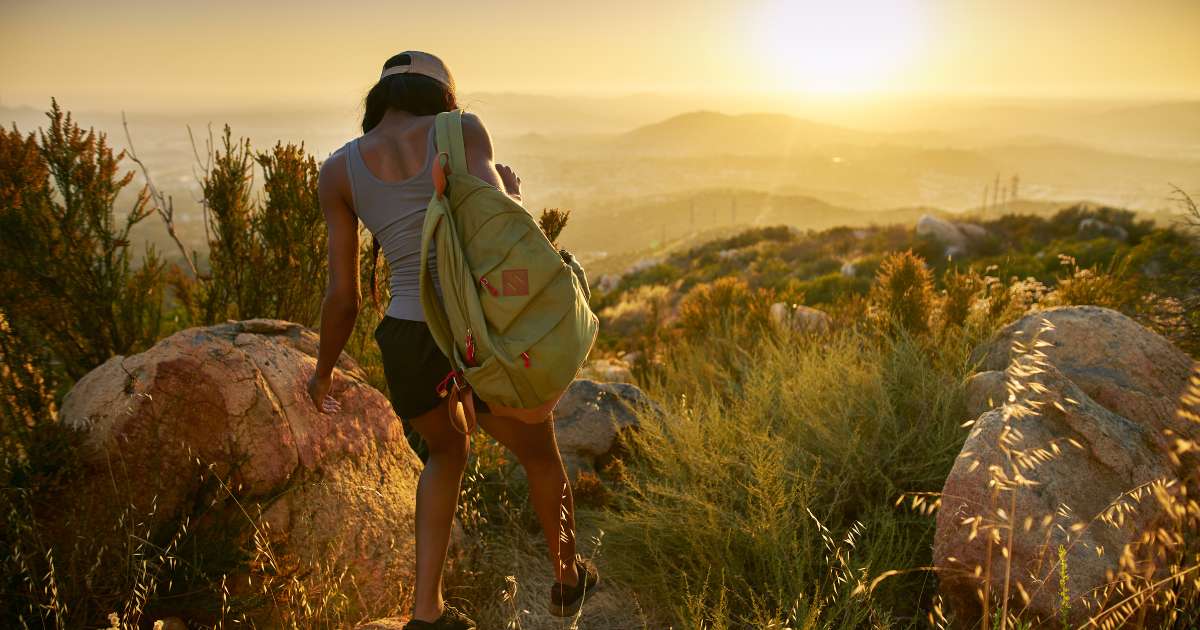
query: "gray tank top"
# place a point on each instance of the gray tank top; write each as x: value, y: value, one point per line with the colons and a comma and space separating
x: 394, y: 213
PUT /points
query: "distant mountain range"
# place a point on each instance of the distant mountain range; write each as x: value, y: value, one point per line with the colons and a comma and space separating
x: 609, y: 234
x: 634, y: 184
x: 714, y: 132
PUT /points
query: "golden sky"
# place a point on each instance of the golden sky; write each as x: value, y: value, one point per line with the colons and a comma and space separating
x: 141, y: 54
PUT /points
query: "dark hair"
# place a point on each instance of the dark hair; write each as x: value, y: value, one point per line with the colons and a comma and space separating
x: 416, y: 94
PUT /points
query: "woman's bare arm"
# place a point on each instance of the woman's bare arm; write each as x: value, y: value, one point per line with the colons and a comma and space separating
x: 339, y: 310
x: 479, y: 158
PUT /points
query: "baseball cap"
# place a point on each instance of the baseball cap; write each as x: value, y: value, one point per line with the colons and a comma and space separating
x: 422, y: 63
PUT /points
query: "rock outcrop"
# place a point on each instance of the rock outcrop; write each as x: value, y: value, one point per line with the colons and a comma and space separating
x: 214, y: 426
x: 607, y: 371
x: 1077, y: 428
x: 800, y: 318
x: 1123, y: 366
x: 956, y: 238
x: 589, y: 419
x: 1091, y: 227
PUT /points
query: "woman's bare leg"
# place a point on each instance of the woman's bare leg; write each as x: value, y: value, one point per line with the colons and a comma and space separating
x: 437, y: 498
x: 535, y: 447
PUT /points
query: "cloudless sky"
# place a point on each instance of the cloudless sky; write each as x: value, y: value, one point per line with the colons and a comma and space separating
x: 142, y: 54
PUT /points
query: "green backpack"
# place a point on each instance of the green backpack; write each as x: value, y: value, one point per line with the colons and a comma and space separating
x: 513, y: 316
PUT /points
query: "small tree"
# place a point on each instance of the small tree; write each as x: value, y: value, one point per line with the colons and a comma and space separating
x: 290, y: 236
x: 228, y: 218
x: 266, y: 256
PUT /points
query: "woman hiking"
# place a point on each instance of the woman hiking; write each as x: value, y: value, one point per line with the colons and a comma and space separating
x: 384, y: 178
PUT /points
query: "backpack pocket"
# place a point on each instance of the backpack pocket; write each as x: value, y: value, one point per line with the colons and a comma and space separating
x: 493, y: 383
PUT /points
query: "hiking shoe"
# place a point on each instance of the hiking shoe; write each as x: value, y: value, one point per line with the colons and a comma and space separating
x: 565, y: 600
x: 451, y: 619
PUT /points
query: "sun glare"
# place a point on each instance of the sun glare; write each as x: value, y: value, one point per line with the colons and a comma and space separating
x: 837, y: 47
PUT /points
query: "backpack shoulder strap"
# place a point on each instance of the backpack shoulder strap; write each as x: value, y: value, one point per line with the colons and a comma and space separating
x: 448, y: 132
x: 435, y: 315
x: 450, y: 140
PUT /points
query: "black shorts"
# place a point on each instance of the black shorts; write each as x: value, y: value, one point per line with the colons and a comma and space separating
x: 413, y: 366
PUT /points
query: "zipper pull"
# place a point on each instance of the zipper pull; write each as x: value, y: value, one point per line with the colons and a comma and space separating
x: 488, y: 285
x: 525, y: 355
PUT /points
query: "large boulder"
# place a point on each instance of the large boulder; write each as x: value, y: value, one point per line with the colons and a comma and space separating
x: 1091, y: 227
x: 213, y: 426
x: 1123, y: 366
x: 800, y: 318
x: 590, y: 418
x: 1077, y: 426
x: 955, y: 238
x: 608, y: 370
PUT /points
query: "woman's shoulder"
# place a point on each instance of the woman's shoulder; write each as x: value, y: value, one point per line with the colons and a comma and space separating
x: 341, y: 152
x: 475, y: 133
x: 333, y: 170
x: 471, y: 119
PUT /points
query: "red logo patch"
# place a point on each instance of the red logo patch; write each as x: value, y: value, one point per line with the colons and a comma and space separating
x: 515, y: 282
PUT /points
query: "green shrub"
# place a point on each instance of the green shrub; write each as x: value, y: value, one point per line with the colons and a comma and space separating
x: 829, y: 288
x: 226, y: 189
x: 726, y: 304
x: 266, y: 257
x: 641, y: 313
x: 659, y: 273
x: 903, y: 293
x: 291, y: 236
x: 67, y: 277
x: 1111, y: 288
x: 962, y: 289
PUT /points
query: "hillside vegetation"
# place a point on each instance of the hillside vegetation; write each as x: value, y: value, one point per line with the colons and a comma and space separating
x: 768, y: 498
x: 766, y: 494
x: 1020, y: 262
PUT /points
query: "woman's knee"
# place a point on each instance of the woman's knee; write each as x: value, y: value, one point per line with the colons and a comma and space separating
x: 440, y: 437
x: 531, y: 444
x: 452, y: 447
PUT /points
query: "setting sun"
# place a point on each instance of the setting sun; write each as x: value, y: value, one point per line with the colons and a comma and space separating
x: 837, y: 47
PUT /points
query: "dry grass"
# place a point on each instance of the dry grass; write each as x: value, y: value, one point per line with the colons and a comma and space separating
x: 751, y: 502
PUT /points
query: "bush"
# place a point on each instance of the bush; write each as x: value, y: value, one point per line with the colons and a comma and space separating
x: 1111, y: 288
x: 71, y: 299
x: 640, y: 314
x: 67, y: 278
x: 291, y: 236
x: 723, y: 305
x: 902, y: 295
x: 962, y: 289
x: 267, y: 258
x: 831, y: 287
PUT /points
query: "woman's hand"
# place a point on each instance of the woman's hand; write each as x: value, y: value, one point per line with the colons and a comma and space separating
x: 512, y: 183
x: 318, y: 392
